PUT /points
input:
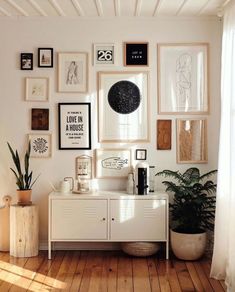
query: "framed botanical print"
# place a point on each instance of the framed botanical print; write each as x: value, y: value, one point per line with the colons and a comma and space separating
x: 45, y: 57
x: 74, y: 126
x: 114, y: 163
x: 26, y: 61
x: 123, y: 107
x: 40, y: 119
x: 37, y: 88
x: 135, y: 54
x: 183, y: 78
x: 191, y: 140
x: 40, y: 145
x: 104, y: 54
x: 73, y: 72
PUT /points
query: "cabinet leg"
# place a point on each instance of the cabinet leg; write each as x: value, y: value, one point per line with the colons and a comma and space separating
x: 49, y: 250
x: 167, y: 250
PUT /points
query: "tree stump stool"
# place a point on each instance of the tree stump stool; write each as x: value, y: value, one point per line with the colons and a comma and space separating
x: 24, y: 231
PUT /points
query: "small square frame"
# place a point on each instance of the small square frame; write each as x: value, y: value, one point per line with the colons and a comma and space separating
x: 104, y: 54
x: 41, y: 146
x: 136, y: 54
x: 26, y: 61
x: 37, y: 88
x: 45, y: 57
x: 140, y: 154
x: 40, y: 119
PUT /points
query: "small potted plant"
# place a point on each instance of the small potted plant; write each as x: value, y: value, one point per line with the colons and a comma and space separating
x: 23, y: 180
x: 192, y: 211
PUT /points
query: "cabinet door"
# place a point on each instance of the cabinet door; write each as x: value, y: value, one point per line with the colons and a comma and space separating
x: 138, y: 219
x: 79, y: 219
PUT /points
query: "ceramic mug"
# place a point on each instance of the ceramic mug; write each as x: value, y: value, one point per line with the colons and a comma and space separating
x: 66, y: 185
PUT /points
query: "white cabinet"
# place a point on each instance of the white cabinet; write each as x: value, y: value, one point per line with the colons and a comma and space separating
x: 107, y: 217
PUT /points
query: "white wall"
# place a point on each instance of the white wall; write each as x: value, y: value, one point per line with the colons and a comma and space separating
x: 63, y: 35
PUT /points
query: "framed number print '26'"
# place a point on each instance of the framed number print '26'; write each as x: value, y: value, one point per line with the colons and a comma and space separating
x: 104, y: 54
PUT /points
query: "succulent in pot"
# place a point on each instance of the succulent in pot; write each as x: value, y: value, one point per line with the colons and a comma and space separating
x: 24, y: 179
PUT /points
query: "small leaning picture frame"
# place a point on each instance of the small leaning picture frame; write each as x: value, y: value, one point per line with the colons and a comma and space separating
x: 140, y: 154
x: 37, y: 88
x: 45, y: 57
x: 104, y: 54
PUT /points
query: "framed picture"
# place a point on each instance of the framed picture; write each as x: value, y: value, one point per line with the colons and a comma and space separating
x: 84, y: 167
x: 104, y: 54
x: 73, y: 72
x: 37, y: 88
x: 191, y: 141
x: 40, y: 145
x: 74, y: 126
x: 40, y: 119
x: 113, y: 163
x: 164, y: 134
x: 123, y: 107
x: 26, y: 61
x: 183, y: 78
x: 140, y: 154
x: 45, y: 57
x: 135, y: 54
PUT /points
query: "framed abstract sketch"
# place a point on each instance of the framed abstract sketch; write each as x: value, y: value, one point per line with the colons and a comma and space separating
x: 123, y: 107
x: 191, y: 140
x: 45, y: 57
x: 74, y: 126
x: 40, y: 145
x: 135, y: 54
x: 104, y: 54
x: 183, y: 78
x: 37, y: 88
x: 73, y: 72
x: 40, y: 119
x: 113, y: 163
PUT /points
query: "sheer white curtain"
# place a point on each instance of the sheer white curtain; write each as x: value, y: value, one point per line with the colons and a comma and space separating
x: 223, y: 262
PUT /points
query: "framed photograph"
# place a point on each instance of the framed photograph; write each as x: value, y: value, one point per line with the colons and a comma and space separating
x: 45, y: 57
x: 104, y: 54
x: 74, y: 126
x: 164, y: 134
x: 40, y: 119
x: 135, y: 54
x: 140, y: 154
x: 26, y: 61
x: 114, y: 163
x: 123, y: 107
x: 84, y: 167
x: 183, y: 78
x: 191, y: 141
x: 73, y: 72
x: 37, y: 88
x: 40, y: 145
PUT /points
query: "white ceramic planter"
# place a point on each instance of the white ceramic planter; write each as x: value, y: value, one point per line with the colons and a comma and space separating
x: 188, y: 246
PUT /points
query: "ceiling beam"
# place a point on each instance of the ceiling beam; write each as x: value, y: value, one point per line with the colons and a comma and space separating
x: 203, y: 7
x: 78, y: 8
x: 4, y: 12
x: 138, y: 5
x: 117, y: 7
x: 57, y: 7
x: 181, y: 7
x: 17, y: 7
x: 157, y: 6
x: 99, y: 7
x: 36, y: 6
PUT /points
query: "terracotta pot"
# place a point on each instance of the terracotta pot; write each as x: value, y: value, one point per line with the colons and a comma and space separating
x: 188, y: 246
x: 24, y: 197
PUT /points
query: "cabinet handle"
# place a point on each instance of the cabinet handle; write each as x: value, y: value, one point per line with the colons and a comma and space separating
x: 112, y: 219
x: 103, y: 219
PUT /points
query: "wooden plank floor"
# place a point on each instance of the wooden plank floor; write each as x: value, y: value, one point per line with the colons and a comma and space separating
x: 104, y: 271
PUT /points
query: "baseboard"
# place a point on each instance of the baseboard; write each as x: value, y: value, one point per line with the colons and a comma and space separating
x: 43, y: 245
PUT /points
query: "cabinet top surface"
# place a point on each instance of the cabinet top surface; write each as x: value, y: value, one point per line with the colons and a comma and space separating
x: 108, y: 195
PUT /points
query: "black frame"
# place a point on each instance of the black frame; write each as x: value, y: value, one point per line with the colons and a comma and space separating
x: 51, y: 52
x: 24, y: 56
x: 140, y: 150
x: 89, y: 126
x: 136, y: 54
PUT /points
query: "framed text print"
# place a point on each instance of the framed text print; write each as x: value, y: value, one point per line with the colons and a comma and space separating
x: 183, y: 78
x: 123, y: 107
x: 73, y: 72
x: 104, y: 54
x: 113, y: 163
x: 135, y: 54
x: 40, y: 145
x: 74, y: 126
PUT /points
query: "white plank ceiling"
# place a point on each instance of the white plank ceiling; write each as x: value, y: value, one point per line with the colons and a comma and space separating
x: 110, y: 8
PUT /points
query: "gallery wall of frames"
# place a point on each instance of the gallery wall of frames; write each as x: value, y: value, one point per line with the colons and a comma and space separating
x: 136, y: 90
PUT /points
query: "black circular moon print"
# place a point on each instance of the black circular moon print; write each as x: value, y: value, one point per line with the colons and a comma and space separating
x: 124, y: 97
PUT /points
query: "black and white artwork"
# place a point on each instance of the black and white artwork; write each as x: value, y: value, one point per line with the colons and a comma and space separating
x: 123, y: 99
x: 74, y: 126
x: 136, y: 54
x: 183, y: 78
x: 104, y: 54
x: 40, y: 145
x: 26, y: 61
x: 73, y: 72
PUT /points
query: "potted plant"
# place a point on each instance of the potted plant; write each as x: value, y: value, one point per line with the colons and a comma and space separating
x: 23, y: 180
x: 192, y: 211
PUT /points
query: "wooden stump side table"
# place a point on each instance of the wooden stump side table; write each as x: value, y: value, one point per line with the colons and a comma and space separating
x: 24, y: 231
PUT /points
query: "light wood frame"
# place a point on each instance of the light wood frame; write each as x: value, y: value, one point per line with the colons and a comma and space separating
x: 187, y: 139
x: 105, y: 80
x: 135, y: 43
x: 72, y: 57
x: 170, y: 87
x: 37, y: 93
x: 114, y: 161
x: 33, y: 155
